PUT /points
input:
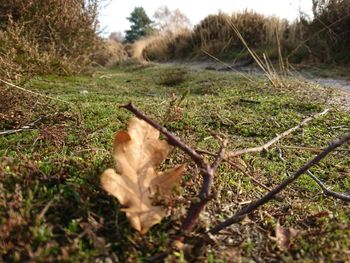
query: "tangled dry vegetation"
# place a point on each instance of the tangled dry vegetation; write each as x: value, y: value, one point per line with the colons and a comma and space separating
x: 41, y: 37
x: 110, y: 53
x: 215, y: 35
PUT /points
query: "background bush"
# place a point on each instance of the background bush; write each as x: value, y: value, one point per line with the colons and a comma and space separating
x: 327, y: 35
x: 110, y: 53
x: 47, y: 36
x: 215, y: 35
x: 324, y: 38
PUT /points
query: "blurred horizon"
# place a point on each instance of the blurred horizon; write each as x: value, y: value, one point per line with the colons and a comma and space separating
x: 113, y: 14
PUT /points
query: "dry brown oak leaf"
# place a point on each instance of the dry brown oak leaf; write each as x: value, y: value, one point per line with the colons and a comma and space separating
x: 138, y: 151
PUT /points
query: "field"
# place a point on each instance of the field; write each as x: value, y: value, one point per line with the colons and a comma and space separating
x: 52, y: 207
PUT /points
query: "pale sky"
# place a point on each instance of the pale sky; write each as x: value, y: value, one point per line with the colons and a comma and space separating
x: 113, y: 15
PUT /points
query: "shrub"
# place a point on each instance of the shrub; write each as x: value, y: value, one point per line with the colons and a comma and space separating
x: 110, y: 53
x: 44, y: 36
x: 329, y: 31
x: 215, y: 33
x: 164, y: 47
x: 325, y: 38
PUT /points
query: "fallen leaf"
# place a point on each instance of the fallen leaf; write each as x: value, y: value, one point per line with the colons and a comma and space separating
x: 284, y: 236
x: 138, y: 151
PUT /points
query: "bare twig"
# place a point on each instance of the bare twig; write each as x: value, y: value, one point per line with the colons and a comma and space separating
x: 207, y: 171
x: 311, y: 149
x: 205, y: 193
x: 219, y: 157
x: 33, y: 92
x: 172, y: 139
x: 253, y: 206
x: 277, y: 138
x: 327, y: 191
x: 232, y: 163
x: 25, y: 127
x: 249, y: 101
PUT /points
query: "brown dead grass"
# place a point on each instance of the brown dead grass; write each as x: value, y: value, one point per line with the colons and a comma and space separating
x: 38, y: 37
x: 110, y: 53
x: 18, y: 108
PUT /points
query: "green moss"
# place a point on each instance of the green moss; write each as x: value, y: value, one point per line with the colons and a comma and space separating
x: 59, y: 163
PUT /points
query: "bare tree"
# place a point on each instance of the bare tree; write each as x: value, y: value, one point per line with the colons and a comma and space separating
x: 170, y: 21
x: 116, y: 36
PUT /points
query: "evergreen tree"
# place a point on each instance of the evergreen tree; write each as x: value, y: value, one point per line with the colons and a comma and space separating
x: 141, y: 25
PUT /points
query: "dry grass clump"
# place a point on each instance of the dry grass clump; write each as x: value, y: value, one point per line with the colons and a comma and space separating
x: 324, y: 38
x: 216, y: 35
x: 136, y: 49
x: 164, y: 47
x: 172, y: 77
x: 110, y: 53
x: 47, y: 36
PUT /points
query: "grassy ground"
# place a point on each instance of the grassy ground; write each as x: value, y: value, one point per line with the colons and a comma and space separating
x: 53, y: 209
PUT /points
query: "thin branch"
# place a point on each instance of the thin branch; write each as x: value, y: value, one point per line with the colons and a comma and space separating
x: 172, y: 139
x: 277, y: 138
x: 249, y: 101
x: 327, y: 191
x: 311, y: 149
x: 207, y: 171
x: 238, y: 168
x: 25, y: 127
x: 219, y: 157
x: 253, y: 206
x: 33, y: 92
x: 205, y: 193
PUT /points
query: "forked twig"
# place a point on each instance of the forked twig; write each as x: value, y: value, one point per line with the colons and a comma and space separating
x: 25, y: 127
x: 33, y: 92
x: 233, y: 164
x: 207, y: 171
x: 253, y: 206
x: 327, y: 191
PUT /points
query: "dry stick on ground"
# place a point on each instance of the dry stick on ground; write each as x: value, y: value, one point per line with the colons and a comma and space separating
x: 265, y: 146
x: 253, y: 206
x: 277, y: 138
x: 33, y: 92
x: 207, y: 171
x: 327, y: 191
x: 311, y: 149
x: 238, y: 168
x: 25, y: 127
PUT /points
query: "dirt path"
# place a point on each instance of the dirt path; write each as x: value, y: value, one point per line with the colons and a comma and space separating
x: 341, y: 87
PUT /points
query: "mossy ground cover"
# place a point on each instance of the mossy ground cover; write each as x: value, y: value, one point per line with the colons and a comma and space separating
x: 52, y: 207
